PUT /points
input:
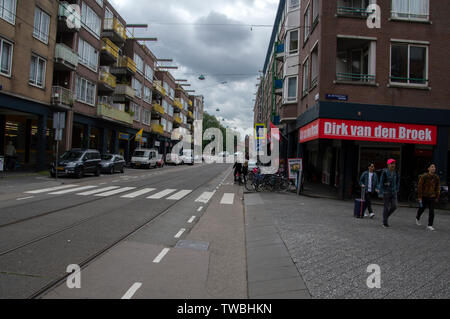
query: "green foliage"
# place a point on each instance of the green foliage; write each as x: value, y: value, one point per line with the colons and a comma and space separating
x: 210, y: 121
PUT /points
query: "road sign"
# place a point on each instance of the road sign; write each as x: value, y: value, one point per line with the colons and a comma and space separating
x: 58, y: 135
x: 59, y: 120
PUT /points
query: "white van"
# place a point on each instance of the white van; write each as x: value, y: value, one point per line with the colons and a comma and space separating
x: 188, y: 157
x: 144, y: 158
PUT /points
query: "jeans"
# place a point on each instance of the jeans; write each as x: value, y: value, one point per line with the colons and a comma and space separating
x: 390, y: 206
x: 427, y: 202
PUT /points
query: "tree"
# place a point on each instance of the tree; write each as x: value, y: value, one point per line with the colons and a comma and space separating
x: 210, y: 121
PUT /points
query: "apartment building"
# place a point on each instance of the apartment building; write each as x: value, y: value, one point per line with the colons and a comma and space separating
x: 80, y: 61
x: 353, y: 93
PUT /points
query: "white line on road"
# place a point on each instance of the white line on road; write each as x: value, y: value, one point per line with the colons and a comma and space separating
x: 227, y: 199
x: 162, y: 194
x: 115, y: 192
x: 73, y: 190
x: 25, y: 198
x: 161, y: 255
x: 190, y: 221
x: 179, y: 195
x: 205, y: 197
x: 200, y: 209
x: 130, y: 293
x: 101, y: 190
x: 178, y: 235
x: 39, y: 191
x: 139, y: 193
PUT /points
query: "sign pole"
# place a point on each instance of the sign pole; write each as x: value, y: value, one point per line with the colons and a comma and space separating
x: 56, y: 161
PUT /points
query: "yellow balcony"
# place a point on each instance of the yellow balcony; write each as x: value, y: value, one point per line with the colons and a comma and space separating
x: 158, y: 128
x: 107, y: 81
x: 124, y: 90
x: 128, y: 63
x: 115, y: 30
x: 177, y: 103
x: 177, y: 120
x: 190, y: 114
x: 159, y: 88
x: 190, y: 103
x: 110, y: 51
x: 108, y: 112
x: 157, y: 108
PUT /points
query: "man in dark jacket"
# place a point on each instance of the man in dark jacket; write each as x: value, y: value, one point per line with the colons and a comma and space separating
x: 369, y: 183
x: 389, y: 187
x: 238, y: 172
x: 428, y: 192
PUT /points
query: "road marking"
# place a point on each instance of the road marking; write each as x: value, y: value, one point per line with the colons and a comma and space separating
x: 102, y: 184
x: 25, y: 198
x: 130, y: 293
x: 115, y: 192
x: 227, y: 199
x: 200, y: 209
x: 162, y: 194
x: 161, y: 255
x: 73, y: 190
x: 205, y: 197
x: 178, y: 235
x: 101, y: 190
x: 46, y: 190
x: 179, y: 195
x: 190, y: 221
x: 139, y: 193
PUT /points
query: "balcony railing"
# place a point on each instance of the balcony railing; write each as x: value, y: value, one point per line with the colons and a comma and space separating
x: 157, y: 128
x: 112, y: 113
x: 62, y: 96
x: 177, y: 120
x: 158, y: 109
x: 65, y: 55
x: 107, y: 79
x: 126, y: 62
x: 159, y: 88
x: 71, y: 18
x: 177, y: 103
x: 278, y: 84
x: 400, y: 80
x: 355, y: 77
x: 125, y: 89
x: 353, y: 11
x: 114, y: 25
x: 110, y: 48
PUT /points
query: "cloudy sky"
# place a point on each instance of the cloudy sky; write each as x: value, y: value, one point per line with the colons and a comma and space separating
x: 214, y: 38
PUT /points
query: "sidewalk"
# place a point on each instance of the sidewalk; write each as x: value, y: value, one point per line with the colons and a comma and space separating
x: 332, y: 250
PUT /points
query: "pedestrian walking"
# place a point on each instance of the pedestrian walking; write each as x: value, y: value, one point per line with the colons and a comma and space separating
x: 237, y: 172
x: 388, y: 188
x: 428, y: 192
x: 10, y: 156
x: 369, y: 183
x: 245, y: 171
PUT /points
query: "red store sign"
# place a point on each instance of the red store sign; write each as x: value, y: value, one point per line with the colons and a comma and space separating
x: 369, y: 131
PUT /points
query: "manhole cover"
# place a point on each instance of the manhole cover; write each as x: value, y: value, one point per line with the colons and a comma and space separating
x: 196, y: 245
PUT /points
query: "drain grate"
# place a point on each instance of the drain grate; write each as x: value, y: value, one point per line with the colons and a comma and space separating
x: 196, y: 245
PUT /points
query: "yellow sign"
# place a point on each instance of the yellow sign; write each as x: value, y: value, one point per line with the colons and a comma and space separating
x: 260, y: 131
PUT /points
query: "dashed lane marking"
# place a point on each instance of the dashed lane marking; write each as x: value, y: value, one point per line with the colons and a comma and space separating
x: 191, y: 220
x: 161, y: 255
x: 130, y: 293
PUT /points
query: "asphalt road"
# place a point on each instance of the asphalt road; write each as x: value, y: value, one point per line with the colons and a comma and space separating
x: 46, y: 226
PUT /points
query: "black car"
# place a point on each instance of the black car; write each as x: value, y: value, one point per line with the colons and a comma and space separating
x: 112, y: 163
x: 78, y: 162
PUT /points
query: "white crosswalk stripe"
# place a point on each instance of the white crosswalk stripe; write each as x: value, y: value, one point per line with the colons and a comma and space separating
x: 73, y: 190
x: 139, y: 193
x: 97, y: 191
x: 46, y: 190
x: 180, y: 195
x: 205, y: 197
x: 162, y: 194
x: 227, y: 199
x: 115, y: 192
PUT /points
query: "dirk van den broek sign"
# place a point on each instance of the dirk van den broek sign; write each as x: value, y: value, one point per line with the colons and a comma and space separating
x: 369, y: 131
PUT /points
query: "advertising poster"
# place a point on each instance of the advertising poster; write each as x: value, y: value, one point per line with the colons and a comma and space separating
x: 294, y: 165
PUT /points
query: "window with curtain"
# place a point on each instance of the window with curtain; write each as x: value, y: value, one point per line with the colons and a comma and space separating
x: 90, y: 19
x: 307, y: 23
x: 41, y: 25
x: 6, y: 50
x: 87, y: 55
x: 85, y: 91
x: 137, y: 86
x: 148, y: 73
x: 8, y: 10
x: 306, y: 77
x: 314, y: 66
x: 291, y: 89
x: 37, y: 71
x: 294, y: 4
x: 411, y: 9
x: 293, y: 42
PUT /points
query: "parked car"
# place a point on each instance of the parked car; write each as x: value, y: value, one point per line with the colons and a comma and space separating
x: 112, y: 163
x: 144, y: 158
x: 187, y: 157
x: 160, y: 161
x: 78, y: 162
x: 173, y: 159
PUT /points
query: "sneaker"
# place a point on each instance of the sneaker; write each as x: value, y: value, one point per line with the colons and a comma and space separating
x: 372, y: 215
x: 418, y: 223
x: 430, y: 228
x: 366, y: 214
x: 385, y: 226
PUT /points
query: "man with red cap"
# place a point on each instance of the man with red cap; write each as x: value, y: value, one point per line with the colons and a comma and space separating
x: 388, y: 188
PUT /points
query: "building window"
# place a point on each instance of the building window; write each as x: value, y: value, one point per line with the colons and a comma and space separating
x: 165, y: 106
x: 148, y: 73
x: 172, y: 93
x: 90, y: 19
x: 307, y: 23
x: 41, y: 25
x: 136, y: 109
x: 291, y: 89
x: 293, y: 42
x: 294, y: 4
x: 315, y: 12
x: 170, y: 111
x: 85, y: 91
x: 409, y: 64
x: 353, y: 8
x: 164, y: 124
x: 305, y: 77
x: 100, y: 3
x: 37, y: 71
x: 411, y: 9
x: 87, y: 55
x: 147, y: 95
x: 8, y: 10
x: 6, y: 54
x: 146, y: 117
x: 356, y: 60
x: 137, y: 86
x: 139, y: 63
x: 314, y: 66
x: 169, y: 126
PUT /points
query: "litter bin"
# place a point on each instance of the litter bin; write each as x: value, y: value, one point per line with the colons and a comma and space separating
x: 2, y: 163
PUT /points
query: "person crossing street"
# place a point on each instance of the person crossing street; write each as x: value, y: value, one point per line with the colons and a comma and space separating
x: 388, y: 188
x: 428, y: 192
x: 368, y: 183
